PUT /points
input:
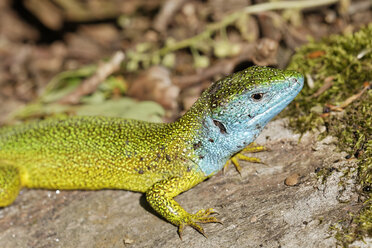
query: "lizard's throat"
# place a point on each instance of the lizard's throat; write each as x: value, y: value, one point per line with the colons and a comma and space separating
x: 214, y: 147
x: 215, y: 144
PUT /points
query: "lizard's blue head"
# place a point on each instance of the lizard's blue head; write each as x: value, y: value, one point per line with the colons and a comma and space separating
x: 247, y: 100
x: 236, y: 108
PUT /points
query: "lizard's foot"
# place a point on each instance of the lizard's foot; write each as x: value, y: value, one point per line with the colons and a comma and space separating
x: 202, y: 216
x: 252, y: 148
x: 160, y: 196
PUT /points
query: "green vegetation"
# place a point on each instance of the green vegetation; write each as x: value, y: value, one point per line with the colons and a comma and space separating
x: 106, y: 100
x: 337, y: 96
x: 204, y: 44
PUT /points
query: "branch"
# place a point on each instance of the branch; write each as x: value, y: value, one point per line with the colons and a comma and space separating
x: 253, y: 9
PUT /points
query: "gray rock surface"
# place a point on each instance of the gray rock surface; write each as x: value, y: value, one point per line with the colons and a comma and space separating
x: 256, y: 208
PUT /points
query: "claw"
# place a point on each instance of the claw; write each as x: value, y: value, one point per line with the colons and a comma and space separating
x: 202, y: 216
x: 180, y: 230
x: 224, y: 169
x: 252, y: 148
x: 201, y: 213
x: 198, y: 228
x: 235, y: 161
x: 249, y: 159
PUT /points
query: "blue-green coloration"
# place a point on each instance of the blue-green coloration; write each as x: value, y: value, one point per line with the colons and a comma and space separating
x: 238, y: 108
x: 161, y: 160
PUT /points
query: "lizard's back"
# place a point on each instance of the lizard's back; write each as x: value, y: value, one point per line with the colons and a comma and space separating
x: 88, y: 153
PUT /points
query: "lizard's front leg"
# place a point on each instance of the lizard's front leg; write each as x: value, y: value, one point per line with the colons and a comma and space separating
x: 251, y: 148
x: 160, y: 196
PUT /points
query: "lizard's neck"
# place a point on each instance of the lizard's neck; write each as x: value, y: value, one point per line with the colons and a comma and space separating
x: 213, y: 143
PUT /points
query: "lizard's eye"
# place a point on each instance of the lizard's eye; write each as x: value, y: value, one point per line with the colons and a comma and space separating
x: 257, y: 97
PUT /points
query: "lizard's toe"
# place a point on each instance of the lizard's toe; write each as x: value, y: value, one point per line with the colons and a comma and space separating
x: 202, y: 216
x: 252, y: 148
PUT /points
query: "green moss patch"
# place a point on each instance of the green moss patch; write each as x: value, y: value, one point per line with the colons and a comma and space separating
x: 337, y: 96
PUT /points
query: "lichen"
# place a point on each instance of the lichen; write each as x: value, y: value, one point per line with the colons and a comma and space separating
x: 337, y: 96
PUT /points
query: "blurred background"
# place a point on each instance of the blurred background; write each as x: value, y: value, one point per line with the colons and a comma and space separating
x: 173, y: 49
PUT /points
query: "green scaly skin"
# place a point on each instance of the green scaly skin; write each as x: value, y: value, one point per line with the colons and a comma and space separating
x: 161, y: 160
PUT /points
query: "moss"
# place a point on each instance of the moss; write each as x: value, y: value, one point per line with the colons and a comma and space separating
x: 346, y: 61
x: 356, y: 227
x: 337, y: 96
x: 354, y: 136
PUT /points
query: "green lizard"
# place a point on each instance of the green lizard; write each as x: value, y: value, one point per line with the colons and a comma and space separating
x: 161, y: 160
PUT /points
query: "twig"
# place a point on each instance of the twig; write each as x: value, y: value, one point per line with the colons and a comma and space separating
x: 223, y: 66
x: 348, y: 101
x: 352, y: 98
x: 253, y: 9
x: 90, y: 84
x: 328, y: 82
x: 167, y: 11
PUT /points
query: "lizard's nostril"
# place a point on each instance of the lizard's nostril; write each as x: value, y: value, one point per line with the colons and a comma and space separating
x: 293, y: 81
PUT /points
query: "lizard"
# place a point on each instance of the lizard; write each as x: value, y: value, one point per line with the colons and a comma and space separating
x: 160, y: 160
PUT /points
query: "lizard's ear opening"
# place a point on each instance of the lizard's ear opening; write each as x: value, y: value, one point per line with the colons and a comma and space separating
x: 220, y: 126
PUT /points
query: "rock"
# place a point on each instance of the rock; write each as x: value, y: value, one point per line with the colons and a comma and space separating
x: 292, y: 180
